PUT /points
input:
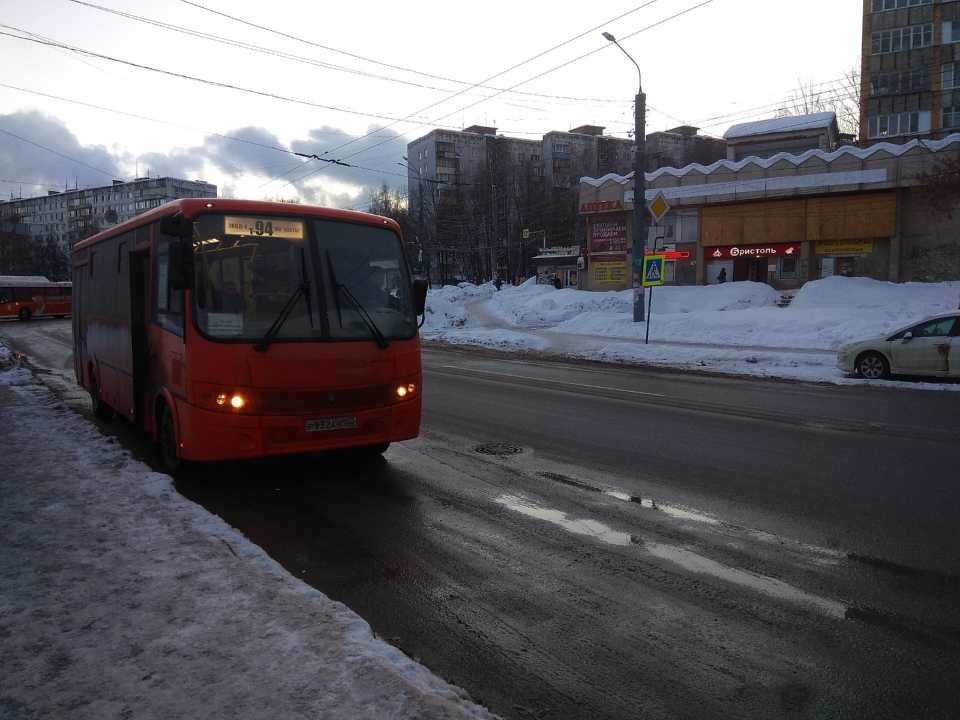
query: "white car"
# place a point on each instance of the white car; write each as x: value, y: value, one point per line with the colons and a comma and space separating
x: 931, y: 347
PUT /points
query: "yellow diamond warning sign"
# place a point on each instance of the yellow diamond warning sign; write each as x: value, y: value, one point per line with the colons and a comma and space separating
x: 658, y: 207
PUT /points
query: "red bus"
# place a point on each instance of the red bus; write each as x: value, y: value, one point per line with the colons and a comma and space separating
x: 27, y: 297
x: 233, y: 329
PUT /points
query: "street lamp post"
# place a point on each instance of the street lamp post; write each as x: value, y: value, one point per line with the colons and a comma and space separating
x: 424, y: 257
x: 639, y: 189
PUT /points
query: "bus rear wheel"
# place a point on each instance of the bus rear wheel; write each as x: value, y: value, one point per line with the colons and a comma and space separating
x: 24, y: 314
x: 101, y: 411
x: 168, y: 445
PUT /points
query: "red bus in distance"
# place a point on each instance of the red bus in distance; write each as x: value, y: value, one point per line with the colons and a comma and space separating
x: 234, y: 329
x: 27, y: 297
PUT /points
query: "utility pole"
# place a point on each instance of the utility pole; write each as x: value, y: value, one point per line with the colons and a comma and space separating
x: 493, y: 238
x: 422, y: 240
x: 639, y: 189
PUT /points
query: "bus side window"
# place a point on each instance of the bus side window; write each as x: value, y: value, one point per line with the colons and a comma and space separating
x: 167, y: 302
x: 6, y: 295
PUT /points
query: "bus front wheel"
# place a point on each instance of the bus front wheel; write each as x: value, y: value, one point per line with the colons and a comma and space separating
x: 167, y: 446
x: 24, y: 313
x: 101, y: 411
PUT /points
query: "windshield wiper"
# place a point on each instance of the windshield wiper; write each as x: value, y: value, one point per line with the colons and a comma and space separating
x: 306, y: 285
x: 344, y: 294
x: 271, y: 334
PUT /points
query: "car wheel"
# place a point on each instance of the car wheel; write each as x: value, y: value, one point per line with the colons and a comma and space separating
x: 872, y: 366
x: 101, y: 411
x: 24, y: 314
x: 167, y: 446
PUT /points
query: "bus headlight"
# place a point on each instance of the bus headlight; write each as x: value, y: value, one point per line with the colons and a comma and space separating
x: 234, y: 401
x: 407, y: 390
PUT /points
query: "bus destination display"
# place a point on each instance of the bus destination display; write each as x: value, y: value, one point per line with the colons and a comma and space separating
x: 264, y: 227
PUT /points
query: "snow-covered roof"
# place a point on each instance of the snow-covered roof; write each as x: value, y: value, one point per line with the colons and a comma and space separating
x: 23, y: 280
x: 798, y: 123
x: 828, y: 157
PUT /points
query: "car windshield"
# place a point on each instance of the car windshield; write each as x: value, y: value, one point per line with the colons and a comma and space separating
x: 299, y: 278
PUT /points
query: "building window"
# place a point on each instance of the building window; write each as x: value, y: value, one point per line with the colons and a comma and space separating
x: 476, y: 152
x: 901, y: 81
x: 951, y: 117
x: 788, y: 268
x: 519, y: 157
x: 881, y: 5
x: 949, y: 77
x: 908, y: 38
x: 534, y: 158
x: 908, y: 123
x: 951, y: 32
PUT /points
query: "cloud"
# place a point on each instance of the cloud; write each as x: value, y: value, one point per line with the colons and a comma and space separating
x: 39, y: 153
x: 249, y: 162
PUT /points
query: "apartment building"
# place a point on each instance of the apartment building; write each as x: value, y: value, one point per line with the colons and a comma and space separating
x: 481, y: 190
x: 910, y: 80
x: 449, y: 157
x: 72, y: 215
x: 681, y: 146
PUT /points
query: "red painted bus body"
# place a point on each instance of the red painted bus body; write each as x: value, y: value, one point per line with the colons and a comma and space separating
x: 27, y: 297
x: 195, y: 363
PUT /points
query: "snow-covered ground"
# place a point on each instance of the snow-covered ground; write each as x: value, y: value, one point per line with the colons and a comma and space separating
x: 120, y: 598
x: 733, y: 328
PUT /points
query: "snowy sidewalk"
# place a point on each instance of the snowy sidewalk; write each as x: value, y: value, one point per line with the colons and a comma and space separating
x: 120, y: 598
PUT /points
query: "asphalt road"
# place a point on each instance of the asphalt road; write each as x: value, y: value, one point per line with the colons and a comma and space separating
x: 586, y: 541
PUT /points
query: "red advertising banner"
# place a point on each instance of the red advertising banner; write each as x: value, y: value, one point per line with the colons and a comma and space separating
x: 608, y: 240
x: 752, y: 251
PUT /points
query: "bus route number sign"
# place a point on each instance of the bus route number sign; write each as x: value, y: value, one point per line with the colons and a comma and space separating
x: 341, y: 423
x: 264, y: 227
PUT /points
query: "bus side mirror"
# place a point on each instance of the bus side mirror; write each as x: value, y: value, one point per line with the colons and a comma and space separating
x: 176, y: 226
x: 420, y: 295
x: 180, y: 266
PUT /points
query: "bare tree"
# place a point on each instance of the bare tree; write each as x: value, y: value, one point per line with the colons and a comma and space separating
x: 841, y: 97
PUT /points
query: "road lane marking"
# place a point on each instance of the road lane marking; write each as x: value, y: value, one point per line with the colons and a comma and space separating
x: 686, y: 559
x: 555, y: 382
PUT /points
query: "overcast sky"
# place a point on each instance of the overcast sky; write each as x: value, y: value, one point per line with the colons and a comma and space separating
x: 226, y: 90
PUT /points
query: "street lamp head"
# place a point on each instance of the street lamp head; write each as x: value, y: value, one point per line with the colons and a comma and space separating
x: 609, y: 37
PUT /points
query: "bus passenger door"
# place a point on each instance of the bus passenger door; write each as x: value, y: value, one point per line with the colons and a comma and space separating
x: 79, y: 324
x: 140, y: 345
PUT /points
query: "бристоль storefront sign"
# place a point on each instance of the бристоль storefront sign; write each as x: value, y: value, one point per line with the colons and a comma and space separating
x: 753, y: 251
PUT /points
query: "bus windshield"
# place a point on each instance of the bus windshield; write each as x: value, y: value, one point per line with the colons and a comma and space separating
x: 299, y: 278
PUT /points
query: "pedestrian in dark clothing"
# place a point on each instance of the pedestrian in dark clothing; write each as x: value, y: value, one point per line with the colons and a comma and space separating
x: 498, y: 282
x: 557, y: 284
x: 722, y: 277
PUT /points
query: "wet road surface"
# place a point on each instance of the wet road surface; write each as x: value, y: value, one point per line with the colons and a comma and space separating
x: 580, y: 542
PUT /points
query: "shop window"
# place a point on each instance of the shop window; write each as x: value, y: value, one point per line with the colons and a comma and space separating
x: 670, y: 271
x: 788, y: 268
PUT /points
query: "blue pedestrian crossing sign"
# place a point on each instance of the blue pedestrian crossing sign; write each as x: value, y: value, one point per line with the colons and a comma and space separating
x: 653, y: 270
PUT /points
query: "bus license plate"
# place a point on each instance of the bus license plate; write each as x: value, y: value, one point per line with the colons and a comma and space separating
x: 342, y: 423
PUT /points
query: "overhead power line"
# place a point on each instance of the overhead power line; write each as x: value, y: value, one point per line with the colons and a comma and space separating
x: 65, y: 157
